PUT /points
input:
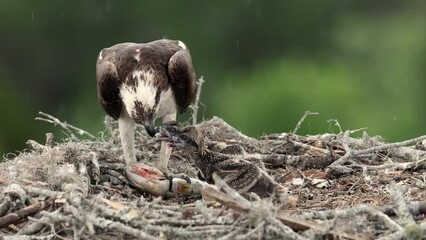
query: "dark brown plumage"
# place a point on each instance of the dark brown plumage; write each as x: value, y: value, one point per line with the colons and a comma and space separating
x: 242, y: 175
x: 171, y: 64
x: 138, y: 83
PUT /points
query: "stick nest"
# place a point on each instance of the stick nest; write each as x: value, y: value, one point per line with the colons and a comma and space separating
x: 338, y: 187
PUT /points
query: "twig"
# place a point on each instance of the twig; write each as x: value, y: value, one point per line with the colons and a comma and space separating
x: 298, y: 224
x: 308, y: 147
x: 208, y: 229
x: 111, y: 213
x: 116, y: 226
x: 348, y: 155
x: 195, y: 105
x: 232, y: 234
x: 335, y: 123
x: 350, y: 212
x: 394, y: 236
x: 5, y: 205
x: 397, y: 195
x: 90, y: 219
x: 299, y: 124
x: 23, y: 213
x: 355, y: 153
x: 416, y: 208
x: 29, y: 237
x: 46, y: 192
x: 234, y: 200
x: 388, y: 146
x: 66, y: 126
x: 56, y: 217
x: 240, y: 200
x: 357, y: 130
x: 181, y: 222
x: 420, y: 164
x: 252, y: 234
x: 35, y: 227
x: 287, y: 232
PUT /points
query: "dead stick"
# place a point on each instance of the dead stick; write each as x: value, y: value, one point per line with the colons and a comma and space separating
x: 397, y: 196
x: 30, y: 237
x: 302, y: 225
x: 195, y: 106
x: 5, y: 205
x: 349, y: 212
x: 299, y: 124
x: 349, y: 153
x: 221, y: 184
x: 120, y: 227
x: 252, y: 234
x: 335, y: 123
x: 353, y: 153
x: 47, y: 192
x: 287, y: 232
x: 36, y: 226
x: 66, y: 126
x: 389, y: 145
x: 212, y: 193
x: 308, y: 147
x: 22, y: 213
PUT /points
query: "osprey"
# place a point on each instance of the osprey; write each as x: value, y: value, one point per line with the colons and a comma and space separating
x: 138, y: 83
x: 237, y: 171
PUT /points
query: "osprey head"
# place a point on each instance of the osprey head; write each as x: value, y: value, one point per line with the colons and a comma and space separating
x: 142, y: 98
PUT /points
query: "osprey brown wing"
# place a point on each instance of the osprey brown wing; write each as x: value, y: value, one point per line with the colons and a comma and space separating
x: 182, y: 78
x: 108, y: 83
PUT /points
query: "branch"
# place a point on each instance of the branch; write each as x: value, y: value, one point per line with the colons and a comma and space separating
x: 195, y: 106
x: 335, y: 123
x: 388, y: 146
x: 350, y: 212
x: 234, y: 195
x: 66, y: 126
x: 355, y: 153
x: 120, y: 227
x: 23, y: 213
x: 299, y: 124
x: 411, y: 229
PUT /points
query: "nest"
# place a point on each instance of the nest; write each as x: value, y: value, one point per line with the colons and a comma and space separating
x: 338, y: 187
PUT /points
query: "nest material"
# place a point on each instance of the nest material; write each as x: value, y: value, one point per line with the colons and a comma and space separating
x: 346, y: 188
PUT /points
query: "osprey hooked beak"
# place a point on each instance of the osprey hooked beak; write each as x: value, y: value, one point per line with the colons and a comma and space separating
x: 150, y: 128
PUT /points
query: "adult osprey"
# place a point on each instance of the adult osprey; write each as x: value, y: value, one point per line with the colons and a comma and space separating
x: 138, y: 83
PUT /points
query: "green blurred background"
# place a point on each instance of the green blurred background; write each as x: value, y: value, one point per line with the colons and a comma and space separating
x: 264, y: 62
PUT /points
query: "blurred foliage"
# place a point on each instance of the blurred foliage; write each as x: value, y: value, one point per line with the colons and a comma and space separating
x: 264, y: 62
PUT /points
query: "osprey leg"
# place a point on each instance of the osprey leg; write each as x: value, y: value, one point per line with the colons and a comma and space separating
x: 126, y: 126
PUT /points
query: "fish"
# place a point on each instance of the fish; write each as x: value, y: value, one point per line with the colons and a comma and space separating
x: 152, y: 180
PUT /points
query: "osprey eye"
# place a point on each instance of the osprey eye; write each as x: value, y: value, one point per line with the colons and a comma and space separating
x: 184, y: 137
x: 172, y: 130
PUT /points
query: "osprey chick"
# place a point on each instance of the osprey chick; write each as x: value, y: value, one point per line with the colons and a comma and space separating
x: 138, y: 83
x: 238, y: 173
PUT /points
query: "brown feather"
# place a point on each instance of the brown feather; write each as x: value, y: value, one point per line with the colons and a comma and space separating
x: 171, y: 64
x: 108, y: 88
x: 237, y: 172
x: 180, y: 67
